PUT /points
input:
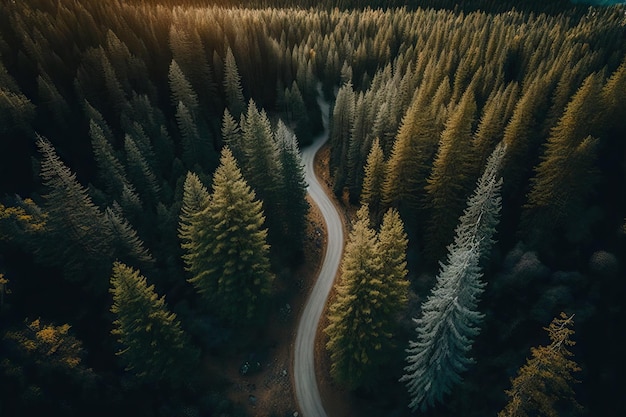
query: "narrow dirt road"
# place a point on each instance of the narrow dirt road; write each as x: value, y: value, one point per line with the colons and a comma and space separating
x: 307, y: 393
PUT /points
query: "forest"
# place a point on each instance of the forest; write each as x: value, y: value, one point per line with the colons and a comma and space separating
x: 154, y: 217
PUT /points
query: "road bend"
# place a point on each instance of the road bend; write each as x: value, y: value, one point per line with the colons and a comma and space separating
x: 307, y: 392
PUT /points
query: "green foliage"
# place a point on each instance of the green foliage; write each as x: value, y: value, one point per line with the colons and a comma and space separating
x: 232, y: 86
x: 77, y: 236
x: 372, y: 292
x: 447, y: 185
x: 413, y: 151
x: 44, y: 364
x: 372, y: 193
x: 226, y: 251
x: 342, y: 120
x: 164, y: 75
x: 543, y: 385
x: 153, y: 345
x: 559, y: 191
x: 293, y: 191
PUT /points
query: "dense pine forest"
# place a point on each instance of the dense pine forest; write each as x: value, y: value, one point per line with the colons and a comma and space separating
x: 153, y: 210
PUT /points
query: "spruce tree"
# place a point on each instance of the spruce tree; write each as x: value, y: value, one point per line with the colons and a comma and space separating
x: 447, y: 186
x: 195, y: 201
x: 181, y: 89
x: 543, y: 386
x: 370, y: 296
x: 293, y: 191
x: 153, y: 345
x: 77, y: 236
x: 372, y: 193
x: 393, y: 243
x: 566, y: 174
x: 262, y: 169
x: 341, y: 126
x: 140, y: 173
x: 411, y: 156
x: 450, y: 320
x: 226, y: 250
x: 235, y: 101
x: 127, y: 246
x: 110, y: 170
x: 231, y: 136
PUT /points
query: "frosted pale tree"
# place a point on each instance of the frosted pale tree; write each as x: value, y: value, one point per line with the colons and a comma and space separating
x: 450, y: 319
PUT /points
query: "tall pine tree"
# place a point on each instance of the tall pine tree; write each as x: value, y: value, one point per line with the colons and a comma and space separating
x: 154, y: 347
x: 370, y: 296
x: 77, y: 236
x: 293, y: 191
x: 450, y: 320
x: 226, y: 250
x: 372, y: 193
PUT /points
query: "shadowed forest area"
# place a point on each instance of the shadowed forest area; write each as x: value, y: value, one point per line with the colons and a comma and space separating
x: 153, y: 205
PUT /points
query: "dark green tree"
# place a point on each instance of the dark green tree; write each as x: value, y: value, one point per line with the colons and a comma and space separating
x: 566, y: 174
x: 154, y: 347
x: 235, y: 101
x: 293, y: 191
x: 77, y: 236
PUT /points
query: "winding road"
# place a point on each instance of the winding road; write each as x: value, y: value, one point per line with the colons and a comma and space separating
x: 307, y: 392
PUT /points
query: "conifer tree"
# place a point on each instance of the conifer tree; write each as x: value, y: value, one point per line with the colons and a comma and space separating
x: 613, y: 91
x: 342, y: 121
x: 181, y: 89
x: 410, y: 159
x: 196, y: 199
x: 293, y: 190
x: 543, y: 386
x: 521, y: 135
x: 235, y: 101
x: 77, y: 236
x: 189, y: 53
x: 154, y: 347
x: 141, y: 173
x: 55, y: 103
x: 190, y: 136
x: 110, y: 169
x: 566, y: 173
x: 393, y: 243
x: 127, y: 246
x: 370, y: 296
x: 447, y: 185
x: 262, y: 169
x: 231, y: 136
x: 372, y: 193
x: 450, y: 320
x: 226, y: 249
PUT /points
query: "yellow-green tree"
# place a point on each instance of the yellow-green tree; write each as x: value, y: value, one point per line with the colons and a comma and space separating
x: 449, y: 182
x: 370, y: 296
x: 225, y: 244
x: 566, y: 174
x: 372, y: 193
x: 544, y: 384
